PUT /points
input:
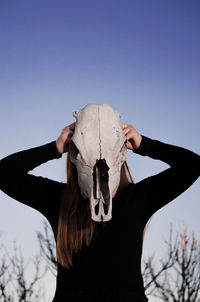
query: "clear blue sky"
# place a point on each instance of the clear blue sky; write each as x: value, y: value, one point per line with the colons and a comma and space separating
x: 141, y: 57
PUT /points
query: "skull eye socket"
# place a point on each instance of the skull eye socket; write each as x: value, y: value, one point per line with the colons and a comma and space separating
x: 73, y: 149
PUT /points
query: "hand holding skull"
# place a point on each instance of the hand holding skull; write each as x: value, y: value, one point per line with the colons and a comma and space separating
x: 133, y: 136
x: 62, y: 141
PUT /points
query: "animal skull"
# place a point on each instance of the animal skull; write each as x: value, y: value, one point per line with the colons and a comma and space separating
x: 98, y: 150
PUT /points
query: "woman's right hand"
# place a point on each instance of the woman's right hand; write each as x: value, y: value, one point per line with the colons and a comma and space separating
x: 66, y: 134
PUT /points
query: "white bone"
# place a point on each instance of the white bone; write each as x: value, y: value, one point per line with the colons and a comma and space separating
x: 98, y: 135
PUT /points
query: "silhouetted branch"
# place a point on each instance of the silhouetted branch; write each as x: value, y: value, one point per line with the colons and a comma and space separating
x: 178, y: 278
x: 12, y: 277
x: 48, y: 248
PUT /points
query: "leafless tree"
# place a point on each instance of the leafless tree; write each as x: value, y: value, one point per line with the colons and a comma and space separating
x: 4, y: 278
x: 178, y: 278
x: 13, y: 280
x: 48, y: 247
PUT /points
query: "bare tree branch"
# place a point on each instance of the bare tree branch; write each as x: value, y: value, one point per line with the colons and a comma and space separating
x: 178, y: 279
x: 48, y: 248
x: 15, y: 273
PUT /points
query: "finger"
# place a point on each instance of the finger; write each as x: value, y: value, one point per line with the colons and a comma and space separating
x: 69, y: 128
x: 126, y: 130
x: 129, y: 135
x: 71, y: 132
x: 124, y: 125
x: 72, y: 126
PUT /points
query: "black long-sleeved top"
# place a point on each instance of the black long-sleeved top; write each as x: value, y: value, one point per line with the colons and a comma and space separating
x: 112, y: 262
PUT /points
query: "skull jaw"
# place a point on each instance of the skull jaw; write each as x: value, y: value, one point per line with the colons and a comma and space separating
x: 100, y: 196
x: 99, y: 200
x: 101, y: 216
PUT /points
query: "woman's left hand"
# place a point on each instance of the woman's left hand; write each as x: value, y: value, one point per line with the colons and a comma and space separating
x: 133, y: 136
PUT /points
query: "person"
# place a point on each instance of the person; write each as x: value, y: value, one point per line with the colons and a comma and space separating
x: 103, y: 262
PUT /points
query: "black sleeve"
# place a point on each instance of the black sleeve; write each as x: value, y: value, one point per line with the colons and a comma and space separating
x: 37, y: 192
x: 160, y: 189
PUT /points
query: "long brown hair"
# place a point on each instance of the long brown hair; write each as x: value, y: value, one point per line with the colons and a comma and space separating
x: 75, y: 226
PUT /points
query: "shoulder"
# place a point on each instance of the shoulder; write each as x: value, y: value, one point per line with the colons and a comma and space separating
x: 126, y: 192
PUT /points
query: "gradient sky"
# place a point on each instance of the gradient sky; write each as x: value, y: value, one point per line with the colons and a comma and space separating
x: 141, y: 57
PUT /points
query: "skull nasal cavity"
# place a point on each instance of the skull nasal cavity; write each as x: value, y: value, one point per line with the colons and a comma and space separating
x: 96, y: 209
x: 105, y: 208
x: 103, y: 169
